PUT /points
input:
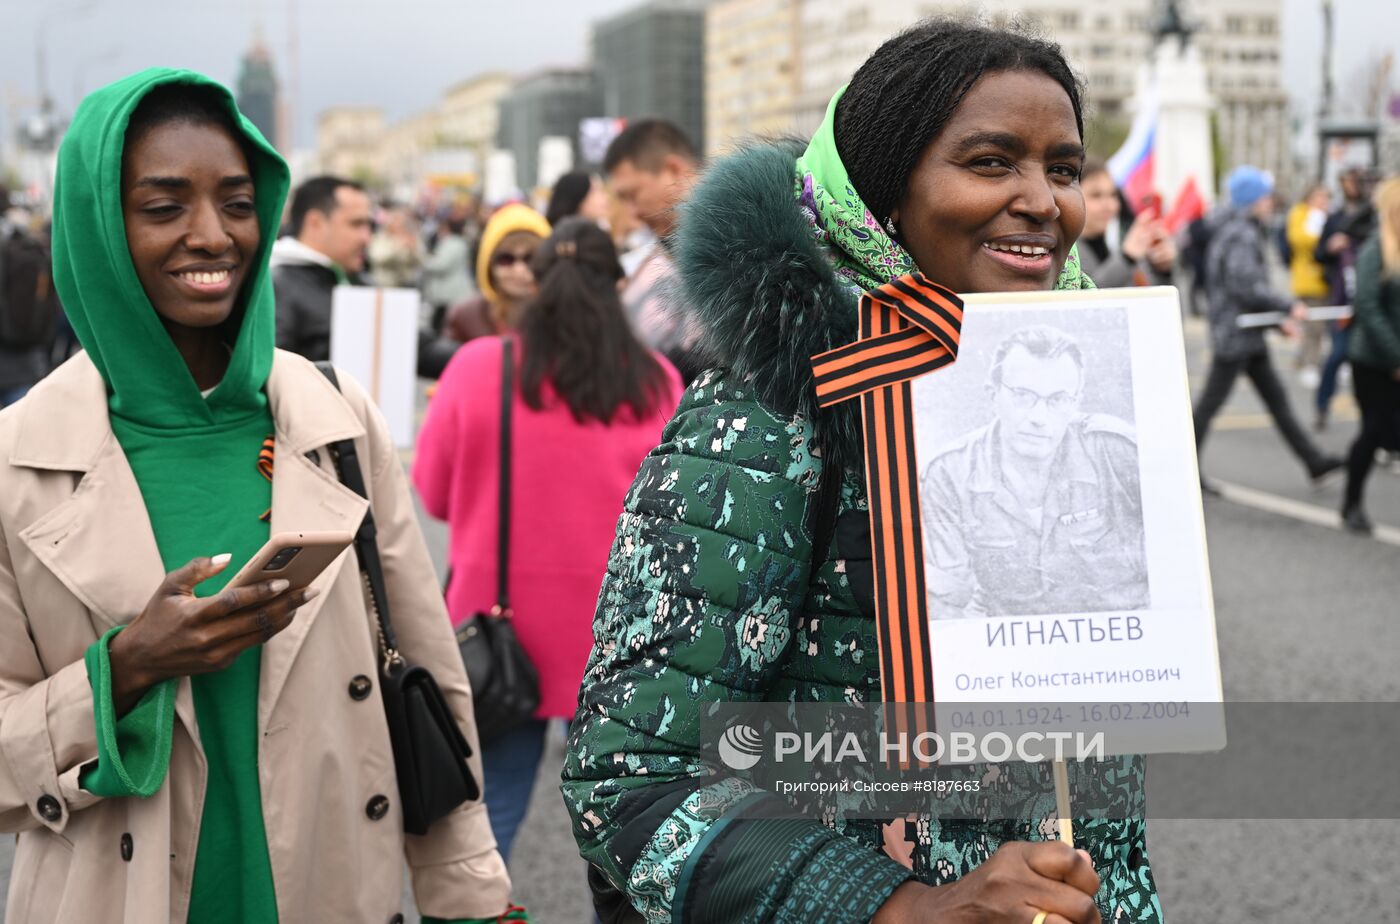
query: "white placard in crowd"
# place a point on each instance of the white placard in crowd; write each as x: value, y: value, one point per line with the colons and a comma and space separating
x: 500, y: 184
x: 374, y: 337
x: 1064, y: 543
x: 556, y: 159
x: 595, y: 134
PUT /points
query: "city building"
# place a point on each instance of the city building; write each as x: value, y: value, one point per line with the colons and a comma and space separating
x: 404, y: 149
x: 751, y: 77
x: 1240, y: 44
x: 350, y: 142
x: 650, y: 61
x: 836, y: 39
x: 545, y: 104
x: 469, y: 114
x: 446, y: 145
x: 256, y: 90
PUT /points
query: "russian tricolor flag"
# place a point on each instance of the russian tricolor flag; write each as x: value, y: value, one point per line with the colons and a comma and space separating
x: 1131, y: 167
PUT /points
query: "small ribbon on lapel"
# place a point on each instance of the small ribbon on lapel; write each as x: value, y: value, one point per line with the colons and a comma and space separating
x: 927, y: 339
x: 266, y: 461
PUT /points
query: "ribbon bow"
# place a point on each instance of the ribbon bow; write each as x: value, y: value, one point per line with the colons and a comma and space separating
x: 912, y: 327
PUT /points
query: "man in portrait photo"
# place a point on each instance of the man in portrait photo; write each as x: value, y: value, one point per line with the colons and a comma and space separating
x: 1040, y: 511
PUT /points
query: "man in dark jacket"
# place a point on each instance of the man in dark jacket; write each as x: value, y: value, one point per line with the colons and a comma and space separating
x: 330, y: 229
x: 1239, y: 275
x: 1346, y: 230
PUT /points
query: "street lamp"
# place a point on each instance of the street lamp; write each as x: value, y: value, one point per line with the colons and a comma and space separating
x: 1325, y: 109
x: 40, y: 43
x: 80, y: 73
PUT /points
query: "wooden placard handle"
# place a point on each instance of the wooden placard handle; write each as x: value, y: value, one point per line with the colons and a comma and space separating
x: 1062, y: 802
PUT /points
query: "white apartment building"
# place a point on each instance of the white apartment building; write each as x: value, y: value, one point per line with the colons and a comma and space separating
x: 1240, y: 42
x: 751, y: 78
x: 469, y: 113
x: 402, y: 148
x: 448, y: 143
x: 350, y: 142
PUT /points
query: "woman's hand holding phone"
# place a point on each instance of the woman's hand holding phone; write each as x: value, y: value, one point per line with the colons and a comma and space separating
x: 179, y: 634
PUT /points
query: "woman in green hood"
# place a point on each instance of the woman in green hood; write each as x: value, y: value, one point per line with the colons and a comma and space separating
x: 201, y: 753
x: 955, y: 151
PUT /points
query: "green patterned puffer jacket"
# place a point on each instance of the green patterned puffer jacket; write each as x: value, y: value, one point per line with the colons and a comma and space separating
x: 711, y: 596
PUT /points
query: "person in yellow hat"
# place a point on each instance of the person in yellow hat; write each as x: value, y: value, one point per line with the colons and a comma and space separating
x: 503, y: 274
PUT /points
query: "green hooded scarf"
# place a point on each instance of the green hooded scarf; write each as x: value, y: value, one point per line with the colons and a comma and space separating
x: 195, y: 460
x: 147, y: 381
x: 862, y: 252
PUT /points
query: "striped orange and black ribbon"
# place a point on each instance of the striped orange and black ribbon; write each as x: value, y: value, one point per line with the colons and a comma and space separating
x: 265, y: 456
x: 924, y: 337
x: 908, y: 327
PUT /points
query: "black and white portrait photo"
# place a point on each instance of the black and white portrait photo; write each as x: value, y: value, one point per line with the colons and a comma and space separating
x: 1063, y: 538
x: 1030, y: 485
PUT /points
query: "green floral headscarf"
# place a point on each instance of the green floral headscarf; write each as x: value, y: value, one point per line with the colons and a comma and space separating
x: 861, y: 250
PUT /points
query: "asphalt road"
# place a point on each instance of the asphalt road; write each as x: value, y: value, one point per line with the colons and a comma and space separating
x: 1305, y: 613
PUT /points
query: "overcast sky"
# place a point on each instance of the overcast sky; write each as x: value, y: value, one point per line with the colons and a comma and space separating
x: 400, y: 54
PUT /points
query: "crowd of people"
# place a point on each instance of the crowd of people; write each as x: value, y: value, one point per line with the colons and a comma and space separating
x: 1322, y: 254
x: 622, y: 395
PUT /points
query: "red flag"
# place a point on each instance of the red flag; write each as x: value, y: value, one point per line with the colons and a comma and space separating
x: 1187, y: 207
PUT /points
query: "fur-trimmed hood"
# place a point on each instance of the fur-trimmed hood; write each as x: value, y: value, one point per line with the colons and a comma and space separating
x: 761, y: 289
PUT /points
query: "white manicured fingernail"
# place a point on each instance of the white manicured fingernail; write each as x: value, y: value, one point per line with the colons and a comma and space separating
x: 218, y: 561
x: 279, y: 585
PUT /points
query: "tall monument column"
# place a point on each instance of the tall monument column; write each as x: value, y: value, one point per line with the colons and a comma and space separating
x: 1170, y: 140
x: 1183, y: 144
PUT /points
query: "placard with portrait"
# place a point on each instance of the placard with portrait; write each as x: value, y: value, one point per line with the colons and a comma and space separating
x: 1064, y: 551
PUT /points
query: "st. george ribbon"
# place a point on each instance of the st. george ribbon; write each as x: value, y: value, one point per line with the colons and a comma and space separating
x: 908, y: 327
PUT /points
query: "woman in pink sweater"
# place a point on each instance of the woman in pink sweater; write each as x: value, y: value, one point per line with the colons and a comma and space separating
x: 589, y: 403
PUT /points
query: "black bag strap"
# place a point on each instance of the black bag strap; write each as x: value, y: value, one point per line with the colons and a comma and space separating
x: 826, y: 508
x: 347, y: 466
x: 829, y: 501
x: 503, y: 502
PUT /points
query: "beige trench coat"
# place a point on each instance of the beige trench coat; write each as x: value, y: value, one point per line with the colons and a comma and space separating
x: 77, y: 556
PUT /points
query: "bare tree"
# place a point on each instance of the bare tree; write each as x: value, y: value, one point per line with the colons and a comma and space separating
x: 1369, y: 85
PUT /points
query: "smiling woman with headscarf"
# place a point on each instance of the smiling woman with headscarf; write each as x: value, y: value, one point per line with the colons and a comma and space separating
x: 955, y: 151
x: 175, y: 749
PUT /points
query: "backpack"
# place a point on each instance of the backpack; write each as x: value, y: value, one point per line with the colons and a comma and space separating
x: 29, y: 306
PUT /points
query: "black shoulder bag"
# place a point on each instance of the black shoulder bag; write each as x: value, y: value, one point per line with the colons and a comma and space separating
x: 430, y: 752
x: 505, y: 683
